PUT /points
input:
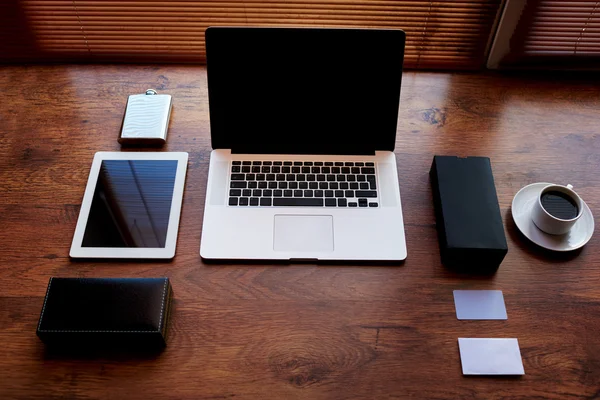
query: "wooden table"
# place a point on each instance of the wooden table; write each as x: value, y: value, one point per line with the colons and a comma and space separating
x: 304, y: 331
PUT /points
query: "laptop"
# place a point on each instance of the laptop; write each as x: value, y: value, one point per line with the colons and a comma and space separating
x: 303, y: 127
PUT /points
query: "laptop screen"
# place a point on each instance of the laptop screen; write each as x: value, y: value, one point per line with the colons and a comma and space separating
x: 304, y: 91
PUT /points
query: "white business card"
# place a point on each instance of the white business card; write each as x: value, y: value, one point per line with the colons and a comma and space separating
x: 479, y: 304
x: 490, y: 356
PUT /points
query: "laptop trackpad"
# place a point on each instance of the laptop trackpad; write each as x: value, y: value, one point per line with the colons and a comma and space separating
x: 303, y: 233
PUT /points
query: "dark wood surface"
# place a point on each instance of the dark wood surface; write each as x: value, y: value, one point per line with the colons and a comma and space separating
x: 303, y: 331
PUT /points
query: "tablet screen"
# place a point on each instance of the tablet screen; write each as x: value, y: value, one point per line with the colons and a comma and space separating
x: 131, y: 204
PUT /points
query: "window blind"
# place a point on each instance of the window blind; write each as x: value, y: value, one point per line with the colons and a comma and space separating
x: 557, y: 33
x: 440, y: 34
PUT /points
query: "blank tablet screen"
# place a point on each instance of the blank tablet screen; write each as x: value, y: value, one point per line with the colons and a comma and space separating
x: 131, y: 204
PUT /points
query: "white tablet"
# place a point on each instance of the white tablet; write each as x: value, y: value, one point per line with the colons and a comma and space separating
x: 131, y: 206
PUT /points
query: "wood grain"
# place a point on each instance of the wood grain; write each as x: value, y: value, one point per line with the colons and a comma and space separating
x: 303, y: 331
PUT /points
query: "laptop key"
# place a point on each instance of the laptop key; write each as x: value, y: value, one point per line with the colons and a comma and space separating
x: 297, y: 162
x: 308, y: 193
x: 236, y: 168
x: 313, y: 185
x: 250, y: 177
x: 329, y: 193
x: 276, y: 170
x: 287, y: 193
x: 246, y: 163
x: 318, y: 163
x: 330, y: 178
x: 354, y: 186
x: 323, y: 185
x: 342, y: 202
x: 233, y: 201
x: 247, y: 192
x: 238, y: 185
x: 255, y: 169
x: 262, y: 185
x: 267, y: 163
x: 309, y: 163
x: 293, y: 185
x: 364, y: 186
x: 252, y: 185
x: 303, y: 185
x: 315, y: 170
x: 287, y: 163
x: 280, y: 177
x: 260, y: 177
x: 282, y: 185
x: 373, y: 185
x: 290, y: 177
x: 349, y: 193
x: 326, y: 170
x: 256, y: 192
x: 339, y: 193
x: 353, y: 204
x: 370, y: 178
x: 321, y: 178
x: 341, y: 178
x: 306, y: 170
x: 367, y: 170
x: 254, y: 201
x: 370, y: 164
x: 272, y: 185
x: 297, y: 193
x: 373, y: 204
x: 235, y: 192
x: 265, y: 201
x: 277, y: 193
x: 256, y: 162
x: 267, y: 192
x: 300, y: 177
x: 351, y: 178
x: 243, y: 201
x: 270, y: 177
x: 359, y: 164
x: 349, y: 164
x: 266, y: 170
x: 277, y: 163
x: 334, y: 185
x: 311, y: 177
x: 286, y: 170
x: 318, y: 193
x: 295, y: 170
x: 302, y: 202
x: 344, y: 185
x: 245, y: 169
x: 336, y: 170
x: 237, y: 177
x: 365, y: 193
x: 330, y: 203
x: 361, y: 178
x: 355, y: 170
x: 362, y: 202
x: 329, y: 163
x: 339, y: 164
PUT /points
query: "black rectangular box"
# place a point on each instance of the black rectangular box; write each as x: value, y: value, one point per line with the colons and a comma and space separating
x: 469, y: 223
x: 106, y: 312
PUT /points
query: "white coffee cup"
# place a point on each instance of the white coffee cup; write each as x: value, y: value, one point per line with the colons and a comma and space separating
x: 548, y: 222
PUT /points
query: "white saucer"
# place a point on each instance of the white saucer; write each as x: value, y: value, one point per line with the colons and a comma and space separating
x: 578, y: 236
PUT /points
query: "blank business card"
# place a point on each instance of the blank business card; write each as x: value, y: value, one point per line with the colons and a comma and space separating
x: 490, y: 357
x: 479, y: 304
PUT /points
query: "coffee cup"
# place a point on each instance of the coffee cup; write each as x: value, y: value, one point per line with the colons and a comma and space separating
x: 556, y: 209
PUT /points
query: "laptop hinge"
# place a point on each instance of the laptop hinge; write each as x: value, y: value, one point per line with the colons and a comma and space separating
x: 286, y: 151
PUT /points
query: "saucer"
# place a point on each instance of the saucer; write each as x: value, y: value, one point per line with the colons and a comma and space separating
x: 578, y: 236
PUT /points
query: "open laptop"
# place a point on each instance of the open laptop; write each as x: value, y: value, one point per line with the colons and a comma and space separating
x: 303, y: 125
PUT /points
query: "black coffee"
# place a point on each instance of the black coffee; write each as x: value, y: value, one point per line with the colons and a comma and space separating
x: 560, y: 205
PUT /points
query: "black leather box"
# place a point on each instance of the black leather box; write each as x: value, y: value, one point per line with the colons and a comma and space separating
x: 469, y: 224
x: 112, y: 312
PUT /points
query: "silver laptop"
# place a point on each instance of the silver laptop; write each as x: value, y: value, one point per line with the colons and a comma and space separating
x: 303, y: 127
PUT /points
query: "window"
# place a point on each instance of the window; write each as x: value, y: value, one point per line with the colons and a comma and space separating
x: 440, y: 34
x: 548, y: 34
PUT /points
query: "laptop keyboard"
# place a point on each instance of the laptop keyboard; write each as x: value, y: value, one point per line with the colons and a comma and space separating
x: 303, y: 184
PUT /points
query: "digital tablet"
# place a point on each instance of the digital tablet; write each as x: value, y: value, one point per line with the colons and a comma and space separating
x: 131, y: 206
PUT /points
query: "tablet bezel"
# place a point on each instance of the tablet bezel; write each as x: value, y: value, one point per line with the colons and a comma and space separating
x: 167, y: 252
